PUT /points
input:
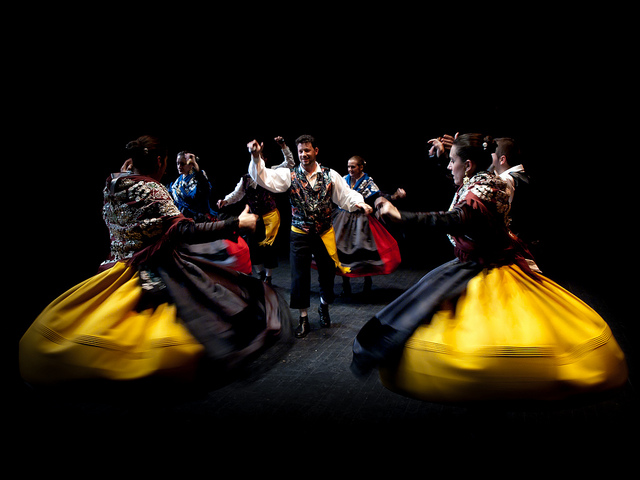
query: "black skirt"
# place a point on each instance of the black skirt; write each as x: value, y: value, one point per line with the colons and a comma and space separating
x: 364, y: 245
x: 234, y: 316
x: 382, y: 338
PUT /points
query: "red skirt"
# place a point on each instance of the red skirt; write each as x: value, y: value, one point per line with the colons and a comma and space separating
x: 364, y: 246
x: 224, y: 252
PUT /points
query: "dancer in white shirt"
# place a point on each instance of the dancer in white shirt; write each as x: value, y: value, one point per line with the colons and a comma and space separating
x: 311, y: 189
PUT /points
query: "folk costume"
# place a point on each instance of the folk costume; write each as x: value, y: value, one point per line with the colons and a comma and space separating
x: 161, y: 306
x: 484, y: 326
x: 312, y: 235
x: 365, y: 248
x: 191, y: 194
x: 523, y: 221
x: 262, y: 203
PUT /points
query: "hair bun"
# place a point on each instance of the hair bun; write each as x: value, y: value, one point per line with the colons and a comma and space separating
x: 144, y: 152
x: 489, y: 145
x: 137, y: 147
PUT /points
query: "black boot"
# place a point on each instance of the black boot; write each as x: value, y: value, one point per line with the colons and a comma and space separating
x: 325, y: 319
x: 304, y: 328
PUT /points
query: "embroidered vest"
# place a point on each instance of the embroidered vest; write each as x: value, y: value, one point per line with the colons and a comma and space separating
x: 260, y: 201
x: 311, y: 207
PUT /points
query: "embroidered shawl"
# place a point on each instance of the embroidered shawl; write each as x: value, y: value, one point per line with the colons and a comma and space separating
x: 364, y: 185
x: 140, y: 215
x: 191, y: 193
x: 486, y: 192
x: 485, y: 188
x: 493, y: 243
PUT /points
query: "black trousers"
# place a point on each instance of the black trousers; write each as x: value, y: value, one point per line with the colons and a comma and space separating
x: 266, y: 255
x: 303, y: 247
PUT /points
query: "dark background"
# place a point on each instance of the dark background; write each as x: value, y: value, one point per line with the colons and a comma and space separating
x: 80, y: 82
x: 77, y: 137
x: 80, y: 94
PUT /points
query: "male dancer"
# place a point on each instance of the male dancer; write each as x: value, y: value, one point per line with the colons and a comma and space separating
x: 311, y: 190
x: 524, y: 218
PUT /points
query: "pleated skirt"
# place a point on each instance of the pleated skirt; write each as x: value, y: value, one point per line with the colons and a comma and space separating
x: 95, y: 331
x: 508, y: 336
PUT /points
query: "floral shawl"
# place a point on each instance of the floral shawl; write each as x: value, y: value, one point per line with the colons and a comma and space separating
x: 487, y: 189
x: 484, y: 191
x: 191, y: 195
x: 493, y: 243
x: 364, y: 185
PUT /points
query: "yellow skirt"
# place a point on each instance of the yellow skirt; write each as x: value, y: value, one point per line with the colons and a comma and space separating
x: 509, y: 337
x: 94, y: 332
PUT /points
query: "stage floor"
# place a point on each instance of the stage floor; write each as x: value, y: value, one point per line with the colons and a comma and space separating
x: 307, y: 391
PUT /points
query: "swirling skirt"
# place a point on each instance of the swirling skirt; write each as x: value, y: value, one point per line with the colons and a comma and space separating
x: 228, y: 253
x: 508, y: 336
x: 364, y: 246
x: 129, y: 323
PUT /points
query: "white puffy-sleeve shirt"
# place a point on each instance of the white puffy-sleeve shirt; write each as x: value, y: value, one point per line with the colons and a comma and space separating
x: 279, y: 181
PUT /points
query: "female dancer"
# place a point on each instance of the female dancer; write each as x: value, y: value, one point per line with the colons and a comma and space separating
x: 159, y: 306
x: 484, y: 326
x: 190, y: 192
x: 364, y: 246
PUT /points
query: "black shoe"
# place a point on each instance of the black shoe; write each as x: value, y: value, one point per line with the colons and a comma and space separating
x: 267, y: 280
x: 304, y: 328
x: 325, y: 319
